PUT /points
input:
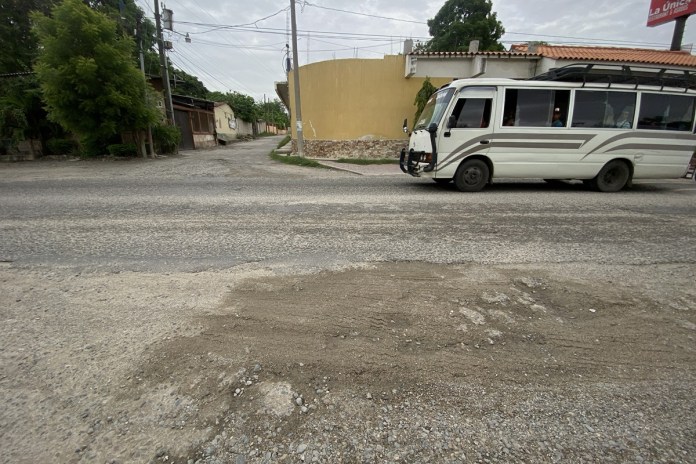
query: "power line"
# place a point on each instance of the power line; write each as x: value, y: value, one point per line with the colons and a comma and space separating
x: 356, y: 36
x: 364, y: 14
x: 304, y: 32
x: 372, y: 37
x: 584, y: 39
x: 201, y: 71
x: 252, y: 23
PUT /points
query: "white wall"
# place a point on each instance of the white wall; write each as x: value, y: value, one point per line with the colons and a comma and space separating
x: 244, y: 128
x: 465, y: 66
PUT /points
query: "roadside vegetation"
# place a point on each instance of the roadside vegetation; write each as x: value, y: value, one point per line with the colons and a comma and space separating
x: 285, y: 141
x: 295, y: 160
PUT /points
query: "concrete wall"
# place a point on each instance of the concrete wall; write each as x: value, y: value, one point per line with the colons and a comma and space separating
x: 356, y: 99
x: 337, y: 149
x: 462, y: 67
x: 244, y: 128
x: 204, y: 140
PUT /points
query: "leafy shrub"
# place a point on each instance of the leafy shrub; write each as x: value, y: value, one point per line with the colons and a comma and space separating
x: 123, y: 149
x: 166, y: 138
x: 61, y: 146
x: 13, y: 123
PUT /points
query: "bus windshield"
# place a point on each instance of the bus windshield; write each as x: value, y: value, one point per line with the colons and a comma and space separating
x: 434, y: 108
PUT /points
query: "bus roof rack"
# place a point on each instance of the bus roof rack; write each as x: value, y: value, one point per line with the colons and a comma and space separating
x: 621, y: 74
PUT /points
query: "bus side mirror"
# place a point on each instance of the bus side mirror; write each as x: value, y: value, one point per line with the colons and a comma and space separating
x: 451, y: 122
x: 405, y: 126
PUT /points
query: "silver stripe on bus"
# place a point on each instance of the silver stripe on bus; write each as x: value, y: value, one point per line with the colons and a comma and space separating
x: 643, y: 135
x: 648, y: 146
x: 466, y: 148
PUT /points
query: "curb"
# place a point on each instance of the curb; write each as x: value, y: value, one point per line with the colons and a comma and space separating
x: 363, y: 170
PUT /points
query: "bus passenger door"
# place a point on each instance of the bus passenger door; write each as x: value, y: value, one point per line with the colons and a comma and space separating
x: 467, y: 129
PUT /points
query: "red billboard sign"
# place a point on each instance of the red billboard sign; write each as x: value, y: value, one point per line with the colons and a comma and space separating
x: 664, y: 11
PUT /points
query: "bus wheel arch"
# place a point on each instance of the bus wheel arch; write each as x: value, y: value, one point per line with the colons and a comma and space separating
x: 614, y: 176
x: 473, y: 174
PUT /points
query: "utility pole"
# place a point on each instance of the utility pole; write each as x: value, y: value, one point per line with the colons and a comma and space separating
x: 142, y: 69
x: 164, y: 70
x: 679, y: 25
x: 296, y: 79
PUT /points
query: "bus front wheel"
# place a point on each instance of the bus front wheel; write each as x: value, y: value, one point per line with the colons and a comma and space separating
x: 613, y: 177
x: 472, y: 176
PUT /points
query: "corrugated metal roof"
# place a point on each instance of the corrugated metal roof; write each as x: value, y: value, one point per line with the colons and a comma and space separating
x: 604, y: 54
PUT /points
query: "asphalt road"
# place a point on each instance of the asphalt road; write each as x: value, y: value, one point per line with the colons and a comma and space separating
x: 222, y: 207
x: 172, y: 310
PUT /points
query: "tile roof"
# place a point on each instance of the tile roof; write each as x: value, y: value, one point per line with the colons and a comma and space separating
x: 459, y: 54
x: 617, y: 54
x: 605, y: 54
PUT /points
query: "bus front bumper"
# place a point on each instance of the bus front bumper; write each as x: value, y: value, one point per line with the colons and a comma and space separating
x: 409, y: 161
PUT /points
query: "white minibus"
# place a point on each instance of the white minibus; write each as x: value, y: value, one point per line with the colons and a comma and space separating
x: 605, y: 127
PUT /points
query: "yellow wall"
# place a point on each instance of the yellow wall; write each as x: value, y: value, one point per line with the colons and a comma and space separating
x: 356, y: 98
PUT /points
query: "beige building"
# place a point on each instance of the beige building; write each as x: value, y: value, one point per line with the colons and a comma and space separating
x: 356, y: 107
x: 225, y: 123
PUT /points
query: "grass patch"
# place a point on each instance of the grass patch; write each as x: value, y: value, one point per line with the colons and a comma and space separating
x: 364, y: 161
x: 284, y: 142
x: 295, y: 160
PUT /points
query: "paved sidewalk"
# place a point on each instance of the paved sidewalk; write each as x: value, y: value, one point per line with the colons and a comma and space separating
x: 365, y: 169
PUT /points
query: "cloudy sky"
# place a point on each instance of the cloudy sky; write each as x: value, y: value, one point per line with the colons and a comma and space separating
x: 241, y: 45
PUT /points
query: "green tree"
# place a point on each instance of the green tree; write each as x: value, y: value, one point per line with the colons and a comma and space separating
x: 22, y: 95
x: 274, y: 113
x: 183, y: 83
x: 426, y: 90
x: 19, y: 46
x: 460, y: 21
x: 244, y: 106
x: 90, y: 84
x: 21, y: 107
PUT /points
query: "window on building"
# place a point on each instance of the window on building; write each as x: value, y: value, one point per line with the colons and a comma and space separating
x: 536, y: 107
x: 471, y: 113
x: 666, y: 112
x: 597, y: 108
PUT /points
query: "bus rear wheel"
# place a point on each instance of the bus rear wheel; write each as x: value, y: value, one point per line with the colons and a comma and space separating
x: 613, y: 177
x: 472, y: 176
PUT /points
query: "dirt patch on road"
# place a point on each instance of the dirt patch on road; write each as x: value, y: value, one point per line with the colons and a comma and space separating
x: 355, y: 365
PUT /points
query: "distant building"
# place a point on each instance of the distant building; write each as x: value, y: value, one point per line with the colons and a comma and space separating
x: 195, y: 118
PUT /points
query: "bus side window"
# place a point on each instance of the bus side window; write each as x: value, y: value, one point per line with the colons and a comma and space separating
x: 472, y: 113
x: 666, y: 112
x: 534, y: 107
x: 601, y: 108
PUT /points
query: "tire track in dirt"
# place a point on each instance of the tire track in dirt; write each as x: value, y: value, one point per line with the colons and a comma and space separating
x: 398, y: 328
